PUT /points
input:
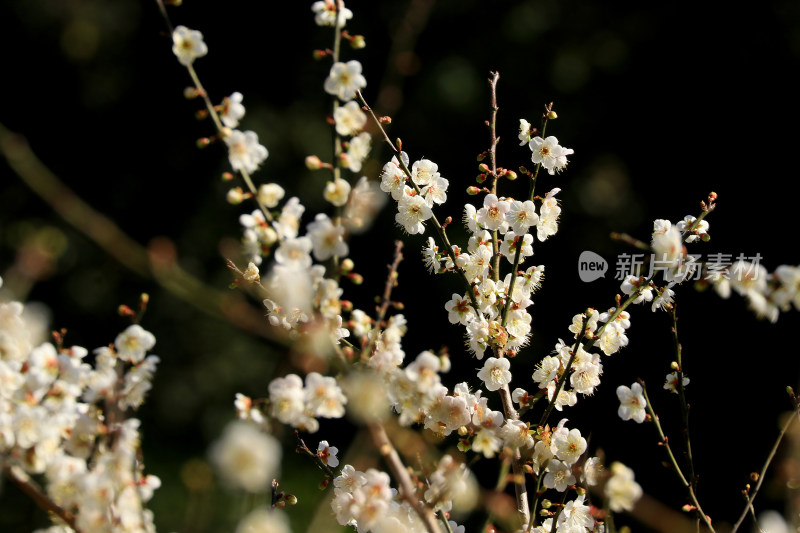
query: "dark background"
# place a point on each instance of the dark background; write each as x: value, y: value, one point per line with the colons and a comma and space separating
x: 662, y: 104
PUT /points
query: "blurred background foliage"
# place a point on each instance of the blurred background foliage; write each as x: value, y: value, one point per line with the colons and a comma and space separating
x: 662, y: 103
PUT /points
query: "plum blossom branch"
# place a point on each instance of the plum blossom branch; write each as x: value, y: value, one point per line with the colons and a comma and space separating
x: 682, y: 395
x: 400, y: 473
x: 391, y: 282
x: 750, y: 496
x: 35, y: 493
x: 673, y: 461
x: 440, y: 233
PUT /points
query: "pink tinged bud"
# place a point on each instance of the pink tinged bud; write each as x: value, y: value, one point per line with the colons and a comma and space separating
x: 320, y: 54
x: 190, y: 93
x: 313, y: 162
x: 357, y: 42
x: 483, y: 167
x: 472, y: 191
x: 511, y: 175
x: 203, y: 142
x: 227, y: 176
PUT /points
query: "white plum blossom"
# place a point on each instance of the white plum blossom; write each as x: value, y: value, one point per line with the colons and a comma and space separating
x: 270, y: 194
x: 328, y: 453
x: 358, y: 150
x: 671, y: 383
x: 424, y: 171
x: 349, y: 119
x: 495, y: 373
x: 327, y: 239
x: 632, y: 403
x: 412, y: 212
x: 337, y: 192
x: 524, y: 132
x: 522, y: 215
x: 549, y: 154
x: 621, y: 489
x: 188, y: 45
x: 132, y: 344
x: 244, y: 151
x: 567, y: 445
x: 492, y: 215
x: 246, y: 457
x: 559, y: 475
x: 344, y: 80
x: 459, y: 310
x: 325, y: 13
x: 231, y: 111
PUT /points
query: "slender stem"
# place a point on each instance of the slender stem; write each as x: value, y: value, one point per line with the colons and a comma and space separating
x: 440, y: 233
x: 35, y: 493
x: 400, y: 473
x: 682, y: 395
x: 536, y: 495
x: 212, y: 111
x: 391, y: 282
x: 752, y: 496
x: 673, y: 461
x: 563, y: 378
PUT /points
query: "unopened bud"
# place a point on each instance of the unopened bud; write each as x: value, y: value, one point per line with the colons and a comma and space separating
x: 546, y: 504
x: 357, y: 42
x: 280, y: 505
x: 203, y: 142
x: 552, y: 115
x: 385, y: 120
x: 320, y: 54
x: 472, y: 191
x: 144, y: 299
x: 201, y: 114
x: 347, y: 305
x: 124, y: 310
x: 399, y: 306
x: 483, y: 167
x: 324, y: 484
x: 347, y: 265
x: 355, y: 279
x: 705, y: 237
x: 190, y: 93
x: 481, y: 156
x: 463, y: 431
x: 712, y: 196
x: 674, y: 365
x: 480, y: 178
x: 227, y: 176
x: 235, y: 196
x: 313, y: 162
x: 510, y: 175
x: 291, y: 499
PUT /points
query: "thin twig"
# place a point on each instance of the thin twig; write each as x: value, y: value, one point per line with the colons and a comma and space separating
x: 400, y: 473
x: 391, y: 282
x: 673, y: 461
x: 35, y: 493
x: 752, y: 496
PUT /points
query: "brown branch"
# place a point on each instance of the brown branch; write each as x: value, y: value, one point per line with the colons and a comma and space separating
x: 157, y: 262
x: 35, y: 493
x: 400, y: 473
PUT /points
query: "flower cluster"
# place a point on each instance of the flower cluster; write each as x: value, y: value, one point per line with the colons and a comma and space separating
x: 64, y: 419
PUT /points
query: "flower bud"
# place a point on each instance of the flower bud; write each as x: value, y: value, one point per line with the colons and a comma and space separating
x: 385, y: 120
x: 203, y: 142
x: 552, y: 115
x: 227, y: 176
x: 190, y: 93
x: 320, y: 54
x: 480, y: 178
x: 357, y: 42
x: 201, y: 114
x: 355, y: 279
x: 472, y: 191
x: 483, y: 167
x: 705, y: 237
x: 510, y: 175
x: 313, y: 162
x: 347, y: 265
x: 235, y: 196
x: 291, y: 499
